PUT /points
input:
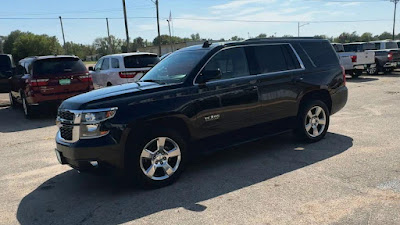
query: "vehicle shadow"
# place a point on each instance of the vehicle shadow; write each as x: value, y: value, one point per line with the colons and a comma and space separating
x: 361, y: 79
x: 72, y: 198
x: 13, y: 120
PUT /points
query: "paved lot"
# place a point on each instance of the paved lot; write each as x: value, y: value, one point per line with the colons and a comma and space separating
x: 351, y: 177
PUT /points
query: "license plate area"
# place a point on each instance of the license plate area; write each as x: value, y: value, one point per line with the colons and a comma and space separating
x: 64, y: 82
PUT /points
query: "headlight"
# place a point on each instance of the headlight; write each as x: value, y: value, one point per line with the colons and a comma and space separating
x: 91, y: 122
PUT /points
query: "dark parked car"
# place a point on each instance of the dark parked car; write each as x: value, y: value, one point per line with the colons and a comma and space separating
x: 48, y: 79
x: 6, y: 71
x: 203, y: 98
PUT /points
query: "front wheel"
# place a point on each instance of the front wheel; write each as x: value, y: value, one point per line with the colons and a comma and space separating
x: 156, y: 160
x: 313, y: 121
x: 12, y: 100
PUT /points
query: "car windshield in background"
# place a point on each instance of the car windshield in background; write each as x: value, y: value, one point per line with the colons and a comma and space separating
x: 391, y: 45
x: 140, y: 61
x: 56, y: 66
x: 5, y: 63
x: 175, y: 67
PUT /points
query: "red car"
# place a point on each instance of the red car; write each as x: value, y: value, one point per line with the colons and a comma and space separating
x: 48, y: 79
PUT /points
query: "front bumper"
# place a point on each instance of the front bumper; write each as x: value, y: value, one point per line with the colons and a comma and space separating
x: 79, y: 155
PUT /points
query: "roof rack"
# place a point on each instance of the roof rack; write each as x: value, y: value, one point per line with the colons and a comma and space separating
x: 282, y: 38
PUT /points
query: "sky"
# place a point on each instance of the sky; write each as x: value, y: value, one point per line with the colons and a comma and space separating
x: 214, y: 19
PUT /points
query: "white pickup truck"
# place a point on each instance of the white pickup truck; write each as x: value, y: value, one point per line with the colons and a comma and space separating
x: 363, y: 57
x: 345, y: 58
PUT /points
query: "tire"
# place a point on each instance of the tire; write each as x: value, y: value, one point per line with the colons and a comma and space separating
x: 28, y: 112
x: 12, y: 100
x: 356, y: 73
x: 310, y: 126
x: 139, y: 163
x: 109, y: 84
x: 372, y: 71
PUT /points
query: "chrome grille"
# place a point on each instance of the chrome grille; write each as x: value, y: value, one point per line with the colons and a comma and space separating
x: 66, y: 132
x: 66, y: 115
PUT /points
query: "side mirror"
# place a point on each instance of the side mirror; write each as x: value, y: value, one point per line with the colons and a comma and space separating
x: 208, y: 75
x: 91, y: 68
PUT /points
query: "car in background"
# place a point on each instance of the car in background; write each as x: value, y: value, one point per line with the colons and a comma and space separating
x: 122, y: 68
x: 387, y: 56
x: 44, y: 80
x: 6, y: 70
x: 363, y: 56
x: 345, y: 58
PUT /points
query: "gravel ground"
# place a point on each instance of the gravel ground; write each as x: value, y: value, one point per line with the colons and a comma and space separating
x: 350, y: 177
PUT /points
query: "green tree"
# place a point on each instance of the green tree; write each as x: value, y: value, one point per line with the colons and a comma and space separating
x: 236, y: 38
x: 385, y: 35
x: 195, y: 37
x: 165, y: 40
x: 262, y: 35
x: 367, y: 37
x: 29, y: 44
x: 8, y: 44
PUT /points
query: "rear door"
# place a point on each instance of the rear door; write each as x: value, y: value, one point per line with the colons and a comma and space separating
x: 59, y: 75
x: 277, y: 70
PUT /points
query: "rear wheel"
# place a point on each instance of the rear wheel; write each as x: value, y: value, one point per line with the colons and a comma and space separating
x: 28, y: 112
x: 372, y: 71
x: 356, y: 73
x: 12, y: 100
x: 156, y: 160
x: 109, y: 84
x: 313, y: 121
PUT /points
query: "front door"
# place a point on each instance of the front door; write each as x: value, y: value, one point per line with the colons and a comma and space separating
x: 227, y: 103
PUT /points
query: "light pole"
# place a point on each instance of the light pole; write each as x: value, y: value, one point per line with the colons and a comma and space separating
x: 394, y: 18
x: 170, y: 36
x: 298, y: 27
x: 62, y: 30
x: 126, y: 26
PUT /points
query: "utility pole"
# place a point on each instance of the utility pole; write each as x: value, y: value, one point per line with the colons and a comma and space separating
x: 170, y: 35
x: 298, y: 27
x: 394, y: 18
x: 62, y: 29
x: 158, y: 28
x: 110, y: 45
x: 126, y: 26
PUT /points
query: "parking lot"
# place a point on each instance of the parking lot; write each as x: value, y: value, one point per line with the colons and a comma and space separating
x: 350, y: 177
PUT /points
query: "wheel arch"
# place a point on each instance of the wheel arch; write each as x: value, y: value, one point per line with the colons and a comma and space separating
x: 322, y: 95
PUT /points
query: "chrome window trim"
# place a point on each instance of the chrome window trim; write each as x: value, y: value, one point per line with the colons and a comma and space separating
x: 257, y: 75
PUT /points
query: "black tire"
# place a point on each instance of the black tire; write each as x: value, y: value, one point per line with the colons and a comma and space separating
x: 12, y: 100
x: 303, y: 119
x: 133, y: 165
x: 28, y: 111
x: 373, y: 71
x: 356, y: 73
x: 109, y: 84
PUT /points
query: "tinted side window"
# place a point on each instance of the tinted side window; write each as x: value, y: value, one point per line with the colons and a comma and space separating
x: 378, y: 46
x: 106, y: 64
x: 20, y: 70
x: 291, y: 59
x: 321, y: 53
x: 114, y: 63
x: 98, y: 65
x: 232, y: 63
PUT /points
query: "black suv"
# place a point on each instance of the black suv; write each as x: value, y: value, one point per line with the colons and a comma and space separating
x: 198, y: 97
x: 6, y: 71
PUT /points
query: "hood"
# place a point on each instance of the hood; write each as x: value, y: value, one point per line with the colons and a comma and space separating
x: 78, y: 102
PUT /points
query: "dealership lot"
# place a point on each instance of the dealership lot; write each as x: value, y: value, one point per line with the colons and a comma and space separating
x: 350, y: 177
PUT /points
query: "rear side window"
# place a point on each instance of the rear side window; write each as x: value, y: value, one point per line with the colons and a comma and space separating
x: 271, y: 58
x: 5, y: 63
x: 320, y: 53
x: 338, y: 48
x: 114, y: 63
x: 350, y: 48
x: 140, y: 61
x: 391, y: 45
x: 56, y: 66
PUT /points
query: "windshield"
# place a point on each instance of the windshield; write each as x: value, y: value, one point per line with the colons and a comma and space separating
x: 57, y: 66
x: 140, y: 61
x: 175, y: 67
x: 391, y: 45
x: 5, y: 63
x: 338, y: 48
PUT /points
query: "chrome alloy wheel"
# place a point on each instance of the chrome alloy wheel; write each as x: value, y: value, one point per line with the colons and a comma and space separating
x: 160, y: 158
x: 315, y: 121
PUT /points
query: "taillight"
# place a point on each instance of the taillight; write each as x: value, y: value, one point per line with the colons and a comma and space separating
x: 38, y: 82
x: 390, y: 56
x: 344, y: 75
x: 85, y: 78
x: 127, y: 74
x: 353, y: 58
